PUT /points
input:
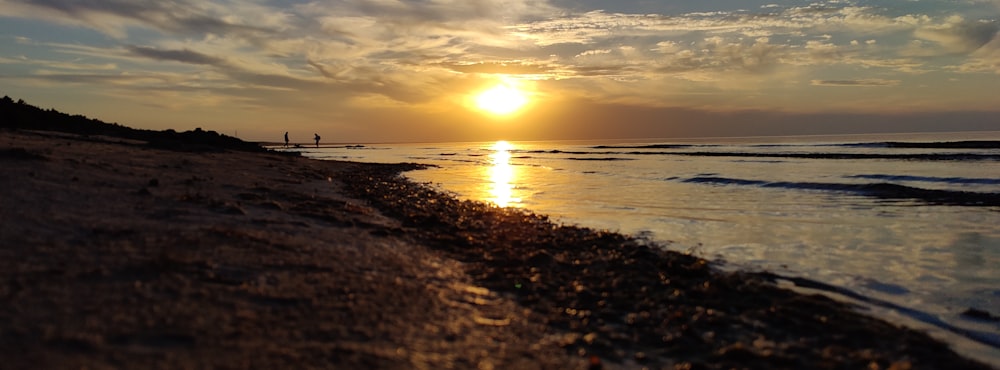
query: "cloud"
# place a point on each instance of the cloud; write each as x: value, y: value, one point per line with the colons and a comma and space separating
x: 249, y: 74
x: 60, y: 65
x: 322, y: 69
x: 414, y: 53
x: 334, y: 39
x: 959, y: 36
x: 85, y: 78
x: 183, y: 56
x: 597, y: 25
x: 986, y: 59
x: 593, y: 52
x: 501, y: 68
x: 859, y: 83
x: 113, y: 17
x: 749, y: 42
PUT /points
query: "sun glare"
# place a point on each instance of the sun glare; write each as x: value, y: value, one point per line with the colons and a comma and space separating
x: 501, y: 99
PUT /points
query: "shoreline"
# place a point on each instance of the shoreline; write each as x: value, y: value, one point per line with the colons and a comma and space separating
x: 118, y: 253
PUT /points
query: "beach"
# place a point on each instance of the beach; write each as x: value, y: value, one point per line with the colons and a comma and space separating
x: 120, y: 252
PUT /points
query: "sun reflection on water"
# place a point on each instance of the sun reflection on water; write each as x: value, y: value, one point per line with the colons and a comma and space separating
x: 502, y: 176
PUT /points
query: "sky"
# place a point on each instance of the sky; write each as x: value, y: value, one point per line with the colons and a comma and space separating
x: 363, y: 71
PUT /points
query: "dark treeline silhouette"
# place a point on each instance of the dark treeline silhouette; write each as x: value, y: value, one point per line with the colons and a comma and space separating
x: 21, y: 115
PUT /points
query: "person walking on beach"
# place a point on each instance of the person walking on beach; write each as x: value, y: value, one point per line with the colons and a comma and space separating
x: 317, y: 139
x: 286, y: 139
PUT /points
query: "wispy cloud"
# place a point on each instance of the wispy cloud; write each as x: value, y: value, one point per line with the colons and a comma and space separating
x: 183, y: 56
x: 856, y: 83
x: 114, y: 17
x: 735, y: 40
x: 957, y: 35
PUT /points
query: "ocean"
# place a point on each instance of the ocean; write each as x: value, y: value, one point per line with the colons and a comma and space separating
x: 907, y: 225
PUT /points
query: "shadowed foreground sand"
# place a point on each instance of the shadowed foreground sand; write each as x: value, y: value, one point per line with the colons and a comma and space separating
x: 119, y: 254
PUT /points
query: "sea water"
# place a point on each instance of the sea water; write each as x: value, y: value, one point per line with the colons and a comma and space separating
x: 916, y: 226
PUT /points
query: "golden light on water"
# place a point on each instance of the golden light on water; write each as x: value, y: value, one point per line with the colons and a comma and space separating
x: 503, y: 177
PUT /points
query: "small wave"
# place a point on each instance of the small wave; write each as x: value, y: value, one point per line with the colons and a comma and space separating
x: 597, y: 159
x: 969, y: 144
x: 723, y: 181
x: 650, y: 146
x: 882, y: 144
x: 578, y: 153
x: 468, y: 161
x: 757, y: 161
x: 814, y: 155
x: 948, y: 180
x: 881, y: 287
x: 806, y: 155
x: 925, y: 317
x: 978, y: 144
x: 877, y: 190
x: 917, y: 157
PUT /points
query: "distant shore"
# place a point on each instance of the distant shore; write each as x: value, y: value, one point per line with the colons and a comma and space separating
x: 118, y: 253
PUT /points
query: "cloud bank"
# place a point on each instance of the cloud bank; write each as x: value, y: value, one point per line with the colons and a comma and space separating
x: 332, y: 61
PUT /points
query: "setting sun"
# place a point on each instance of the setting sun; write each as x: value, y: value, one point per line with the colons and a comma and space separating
x: 501, y: 99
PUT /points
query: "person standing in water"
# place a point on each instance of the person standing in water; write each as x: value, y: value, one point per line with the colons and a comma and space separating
x: 286, y: 139
x: 317, y: 140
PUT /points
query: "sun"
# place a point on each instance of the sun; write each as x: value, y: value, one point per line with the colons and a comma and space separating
x: 502, y: 99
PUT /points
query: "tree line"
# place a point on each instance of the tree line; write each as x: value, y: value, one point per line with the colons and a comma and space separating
x: 21, y: 115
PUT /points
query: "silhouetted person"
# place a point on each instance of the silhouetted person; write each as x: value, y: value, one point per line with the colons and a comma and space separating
x: 317, y: 140
x: 286, y: 139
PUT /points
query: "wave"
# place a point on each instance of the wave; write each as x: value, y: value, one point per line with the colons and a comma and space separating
x: 947, y: 180
x: 969, y: 144
x: 598, y: 159
x: 847, y: 156
x: 649, y: 146
x: 918, y: 157
x: 757, y: 161
x: 877, y: 190
x: 925, y: 317
x: 966, y: 144
x: 557, y: 151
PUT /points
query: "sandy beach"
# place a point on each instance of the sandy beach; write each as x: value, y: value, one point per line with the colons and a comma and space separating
x: 118, y: 253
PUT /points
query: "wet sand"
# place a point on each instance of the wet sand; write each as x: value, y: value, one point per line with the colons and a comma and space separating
x: 115, y: 253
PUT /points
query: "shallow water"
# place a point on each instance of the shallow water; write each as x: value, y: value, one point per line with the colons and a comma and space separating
x: 916, y: 227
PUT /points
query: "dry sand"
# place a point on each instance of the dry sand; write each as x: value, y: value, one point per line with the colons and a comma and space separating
x: 116, y: 254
